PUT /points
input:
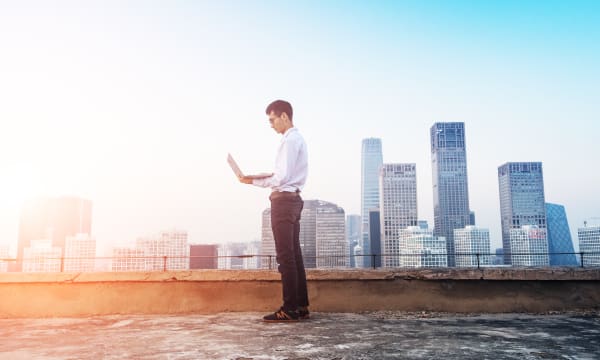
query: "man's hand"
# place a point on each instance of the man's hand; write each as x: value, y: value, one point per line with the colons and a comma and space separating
x: 245, y: 180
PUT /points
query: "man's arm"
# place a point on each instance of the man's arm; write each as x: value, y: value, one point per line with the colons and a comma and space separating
x: 245, y: 180
x: 283, y: 169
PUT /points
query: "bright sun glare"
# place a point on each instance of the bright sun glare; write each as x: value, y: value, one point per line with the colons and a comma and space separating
x: 20, y: 184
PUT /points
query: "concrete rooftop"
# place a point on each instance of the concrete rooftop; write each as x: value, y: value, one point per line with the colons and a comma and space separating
x: 375, y: 335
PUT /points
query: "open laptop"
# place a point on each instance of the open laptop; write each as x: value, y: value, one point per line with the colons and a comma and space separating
x: 239, y: 173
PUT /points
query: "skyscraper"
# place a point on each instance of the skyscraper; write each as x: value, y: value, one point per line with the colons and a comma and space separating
x: 308, y: 233
x: 353, y: 235
x: 375, y: 236
x: 472, y: 218
x: 450, y: 186
x: 322, y: 236
x: 522, y: 200
x: 371, y: 161
x: 267, y: 242
x: 472, y: 245
x: 589, y: 245
x: 559, y: 237
x: 331, y: 245
x: 53, y: 219
x: 398, y: 201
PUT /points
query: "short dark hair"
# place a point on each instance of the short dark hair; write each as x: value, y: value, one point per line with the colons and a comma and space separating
x: 279, y: 107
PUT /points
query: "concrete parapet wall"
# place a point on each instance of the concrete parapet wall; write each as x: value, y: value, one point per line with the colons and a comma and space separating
x: 488, y: 290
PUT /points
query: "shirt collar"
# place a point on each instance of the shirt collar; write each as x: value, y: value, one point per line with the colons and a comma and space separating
x: 288, y: 131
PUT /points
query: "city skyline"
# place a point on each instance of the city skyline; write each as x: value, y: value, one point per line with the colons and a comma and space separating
x: 324, y: 234
x: 138, y: 116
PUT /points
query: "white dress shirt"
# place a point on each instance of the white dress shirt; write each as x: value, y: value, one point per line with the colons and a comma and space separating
x: 291, y: 166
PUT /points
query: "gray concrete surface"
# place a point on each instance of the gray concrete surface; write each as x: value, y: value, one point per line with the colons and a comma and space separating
x: 377, y: 335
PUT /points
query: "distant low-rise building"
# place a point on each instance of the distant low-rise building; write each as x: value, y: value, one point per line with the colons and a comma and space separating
x: 127, y: 259
x: 80, y: 253
x: 204, y: 256
x: 171, y: 244
x: 231, y: 256
x: 41, y: 256
x: 499, y: 258
x: 529, y: 246
x: 419, y: 248
x: 251, y: 253
x: 472, y: 246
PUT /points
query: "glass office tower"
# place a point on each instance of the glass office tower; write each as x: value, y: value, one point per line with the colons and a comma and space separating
x: 522, y: 201
x: 398, y: 200
x: 450, y: 186
x: 371, y: 161
x: 559, y: 237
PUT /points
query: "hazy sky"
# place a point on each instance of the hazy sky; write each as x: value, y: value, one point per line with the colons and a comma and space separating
x: 135, y: 105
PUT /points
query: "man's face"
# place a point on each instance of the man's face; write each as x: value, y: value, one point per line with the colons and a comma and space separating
x: 277, y: 122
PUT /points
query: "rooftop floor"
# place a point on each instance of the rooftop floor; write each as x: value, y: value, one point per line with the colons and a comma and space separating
x: 376, y: 335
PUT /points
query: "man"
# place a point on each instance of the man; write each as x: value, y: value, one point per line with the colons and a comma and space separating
x: 287, y: 181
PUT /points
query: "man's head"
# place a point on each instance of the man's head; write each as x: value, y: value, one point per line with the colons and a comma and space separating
x: 280, y: 115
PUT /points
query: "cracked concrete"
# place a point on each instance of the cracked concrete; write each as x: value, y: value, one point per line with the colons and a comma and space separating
x: 378, y: 335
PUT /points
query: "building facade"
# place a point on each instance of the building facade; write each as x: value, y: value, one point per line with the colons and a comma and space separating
x: 41, y: 256
x: 419, y: 248
x: 80, y: 253
x: 371, y: 161
x: 54, y: 219
x: 529, y: 246
x: 267, y: 243
x: 375, y: 236
x: 204, y: 256
x: 353, y: 236
x: 128, y: 259
x: 589, y: 245
x: 331, y: 247
x: 522, y: 200
x: 560, y: 243
x: 398, y: 201
x: 231, y: 256
x: 252, y: 256
x: 169, y: 245
x: 472, y: 245
x: 450, y: 183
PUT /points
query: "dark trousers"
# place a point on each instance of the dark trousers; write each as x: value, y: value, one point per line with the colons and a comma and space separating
x: 285, y: 223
